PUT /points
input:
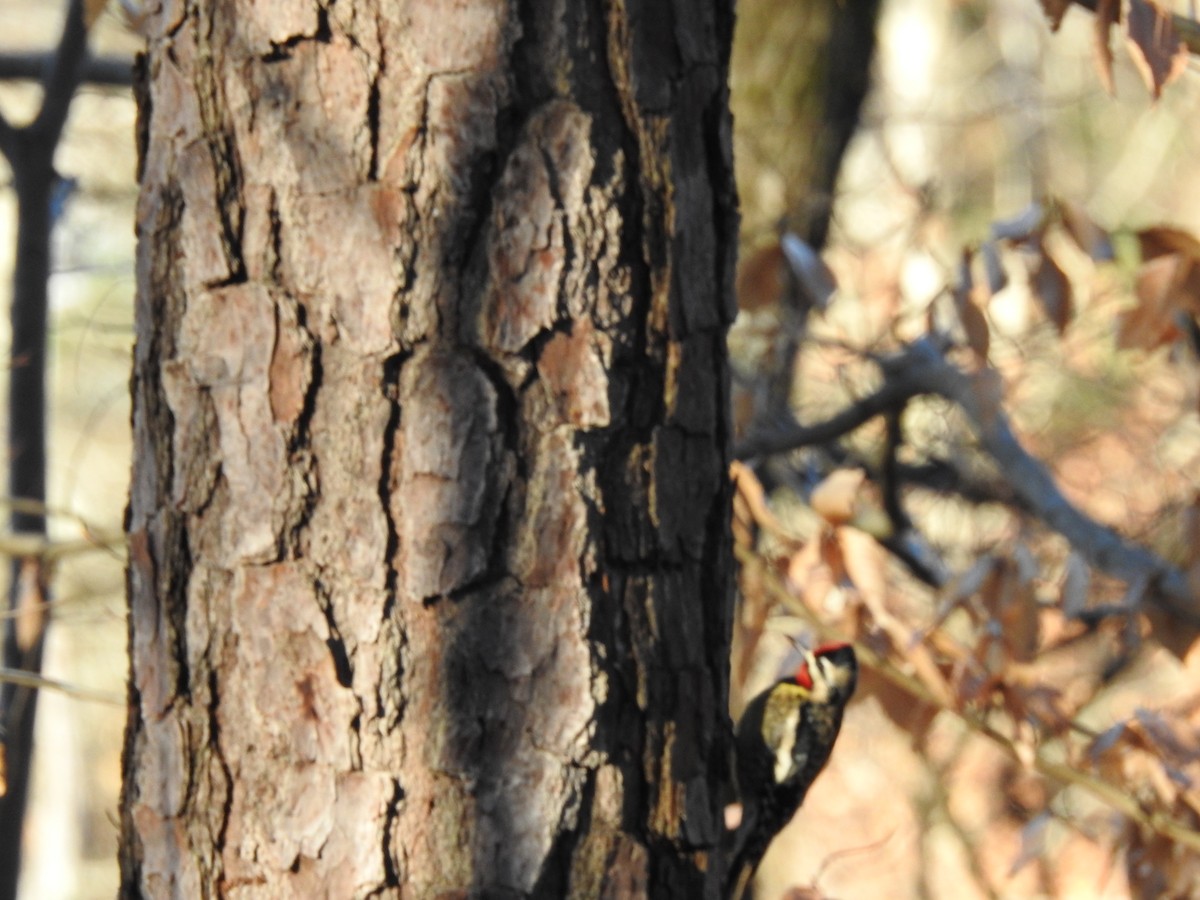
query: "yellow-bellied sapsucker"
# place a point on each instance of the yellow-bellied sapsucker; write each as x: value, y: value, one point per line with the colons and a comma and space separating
x: 783, y: 741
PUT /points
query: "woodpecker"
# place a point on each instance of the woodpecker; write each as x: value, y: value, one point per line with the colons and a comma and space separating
x: 782, y: 743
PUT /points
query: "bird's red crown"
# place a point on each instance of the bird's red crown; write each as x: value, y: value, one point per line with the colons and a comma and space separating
x: 802, y: 676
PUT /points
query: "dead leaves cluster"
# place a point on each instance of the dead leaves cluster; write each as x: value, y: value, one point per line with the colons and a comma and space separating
x: 1025, y: 239
x: 1151, y: 36
x: 1165, y: 290
x: 1016, y: 655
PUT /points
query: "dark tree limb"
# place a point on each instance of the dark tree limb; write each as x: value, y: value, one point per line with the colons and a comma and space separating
x: 30, y: 153
x: 922, y: 369
x: 62, y: 77
x: 8, y: 137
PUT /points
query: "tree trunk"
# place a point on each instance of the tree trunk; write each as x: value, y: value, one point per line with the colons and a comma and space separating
x: 429, y: 577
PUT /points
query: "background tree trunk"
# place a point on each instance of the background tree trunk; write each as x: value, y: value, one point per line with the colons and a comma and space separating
x: 429, y: 578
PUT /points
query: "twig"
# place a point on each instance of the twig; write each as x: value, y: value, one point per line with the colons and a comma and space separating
x: 40, y: 682
x: 786, y: 436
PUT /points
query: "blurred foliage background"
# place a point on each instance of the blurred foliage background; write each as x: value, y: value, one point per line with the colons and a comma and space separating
x: 71, y: 827
x: 1027, y: 724
x: 989, y: 682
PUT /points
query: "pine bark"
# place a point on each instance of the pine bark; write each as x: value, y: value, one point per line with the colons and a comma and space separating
x: 429, y: 572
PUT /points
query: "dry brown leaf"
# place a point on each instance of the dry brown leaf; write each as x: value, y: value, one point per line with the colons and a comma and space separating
x: 1108, y: 12
x: 1167, y: 736
x: 1156, y: 867
x: 1019, y: 620
x: 926, y: 669
x: 1151, y: 324
x: 1154, y: 45
x: 834, y: 498
x: 1173, y: 634
x: 966, y: 299
x: 866, y: 567
x: 809, y: 574
x: 908, y: 713
x: 29, y: 602
x: 996, y: 590
x: 997, y: 278
x: 761, y: 279
x: 1028, y: 698
x: 1053, y: 289
x: 1162, y: 240
x: 974, y: 324
x: 1055, y: 10
x: 803, y: 893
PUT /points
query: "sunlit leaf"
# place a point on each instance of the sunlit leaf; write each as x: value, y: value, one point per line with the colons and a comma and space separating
x: 1164, y: 285
x: 970, y: 316
x: 1053, y: 289
x: 835, y: 497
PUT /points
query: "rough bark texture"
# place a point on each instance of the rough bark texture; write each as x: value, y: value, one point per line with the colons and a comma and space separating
x: 429, y: 580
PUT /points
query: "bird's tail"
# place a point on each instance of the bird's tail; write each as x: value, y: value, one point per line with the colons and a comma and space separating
x: 745, y: 853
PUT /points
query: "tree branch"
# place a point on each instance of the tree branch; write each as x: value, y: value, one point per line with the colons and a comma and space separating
x: 8, y: 138
x: 922, y: 369
x: 110, y: 71
x: 63, y: 76
x: 790, y: 435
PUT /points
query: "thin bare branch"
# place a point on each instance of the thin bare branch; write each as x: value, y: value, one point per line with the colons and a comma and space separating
x: 109, y: 71
x: 925, y: 367
x: 789, y: 435
x: 39, y: 682
x: 24, y: 546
